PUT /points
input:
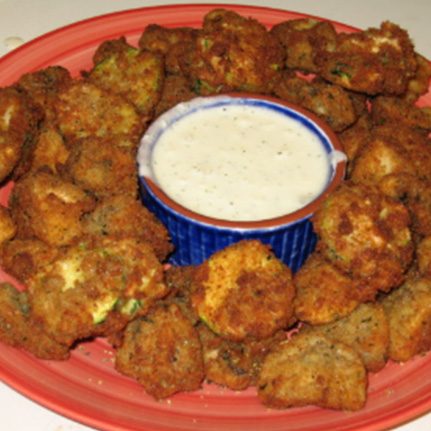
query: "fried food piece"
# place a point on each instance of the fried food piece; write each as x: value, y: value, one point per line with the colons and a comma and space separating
x: 19, y: 119
x: 50, y: 151
x: 100, y: 285
x: 7, y: 225
x: 44, y: 85
x: 329, y: 102
x: 21, y: 258
x: 408, y: 310
x: 400, y: 112
x: 135, y: 74
x: 366, y: 330
x: 232, y: 52
x: 102, y: 167
x: 48, y: 208
x: 419, y: 84
x: 300, y: 37
x: 415, y: 195
x: 169, y: 42
x: 311, y: 369
x: 323, y: 292
x: 423, y: 256
x: 179, y: 280
x: 234, y: 365
x: 375, y: 61
x: 244, y: 291
x: 367, y: 235
x: 162, y: 352
x: 176, y: 89
x: 355, y: 138
x: 18, y: 329
x: 84, y: 109
x: 124, y: 216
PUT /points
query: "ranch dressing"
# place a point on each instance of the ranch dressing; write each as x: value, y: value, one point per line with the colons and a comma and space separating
x: 240, y: 162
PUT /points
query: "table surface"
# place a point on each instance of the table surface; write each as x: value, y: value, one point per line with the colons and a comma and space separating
x: 26, y: 19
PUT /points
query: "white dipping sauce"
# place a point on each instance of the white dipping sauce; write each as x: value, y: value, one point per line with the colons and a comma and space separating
x: 240, y: 162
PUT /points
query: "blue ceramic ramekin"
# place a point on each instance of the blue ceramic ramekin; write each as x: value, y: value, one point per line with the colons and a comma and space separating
x: 197, y: 237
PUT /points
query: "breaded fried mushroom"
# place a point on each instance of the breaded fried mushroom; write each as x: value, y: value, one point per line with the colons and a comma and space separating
x: 231, y: 364
x: 311, y: 369
x: 244, y: 291
x: 366, y: 330
x: 49, y: 208
x: 18, y: 329
x: 408, y: 310
x: 323, y: 292
x: 162, y: 352
x: 95, y: 288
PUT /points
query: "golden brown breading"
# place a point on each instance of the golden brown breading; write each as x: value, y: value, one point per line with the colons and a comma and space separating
x: 423, y: 256
x: 234, y: 364
x: 367, y: 235
x: 125, y: 216
x: 48, y: 208
x: 162, y: 352
x: 23, y: 257
x: 8, y: 227
x: 44, y: 85
x: 50, y: 151
x: 103, y: 167
x: 176, y: 89
x: 170, y: 42
x: 95, y: 288
x: 232, y: 52
x: 366, y: 330
x: 408, y: 310
x: 375, y: 61
x: 19, y: 119
x: 18, y: 329
x: 310, y: 369
x: 84, y: 109
x: 419, y: 84
x: 244, y: 291
x: 135, y: 74
x: 300, y: 37
x: 355, y: 137
x: 323, y: 292
x: 330, y: 102
x: 179, y: 280
x: 397, y: 111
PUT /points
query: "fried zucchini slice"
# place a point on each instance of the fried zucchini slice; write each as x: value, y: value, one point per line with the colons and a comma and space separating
x: 135, y: 74
x: 244, y: 291
x: 323, y: 292
x: 367, y: 235
x: 95, y: 288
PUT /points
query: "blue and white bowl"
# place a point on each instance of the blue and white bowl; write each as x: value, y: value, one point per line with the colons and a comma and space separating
x: 195, y: 236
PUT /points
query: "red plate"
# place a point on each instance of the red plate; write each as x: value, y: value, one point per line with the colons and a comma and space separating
x: 87, y: 388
